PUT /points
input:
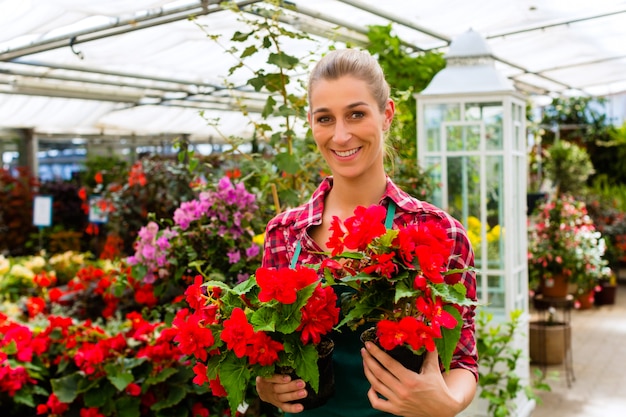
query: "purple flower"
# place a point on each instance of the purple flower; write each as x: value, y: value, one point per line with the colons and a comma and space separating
x: 252, y: 251
x: 234, y: 256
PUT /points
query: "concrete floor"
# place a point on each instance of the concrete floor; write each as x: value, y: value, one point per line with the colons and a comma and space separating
x: 599, y: 365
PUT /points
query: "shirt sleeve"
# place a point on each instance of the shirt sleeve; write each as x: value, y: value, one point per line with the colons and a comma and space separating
x: 465, y: 355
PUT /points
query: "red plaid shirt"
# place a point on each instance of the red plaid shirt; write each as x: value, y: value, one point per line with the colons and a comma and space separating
x: 284, y: 231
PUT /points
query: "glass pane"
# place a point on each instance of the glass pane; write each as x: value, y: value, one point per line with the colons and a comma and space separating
x: 433, y: 166
x: 463, y: 138
x: 434, y: 116
x: 492, y: 115
x: 494, y: 179
x: 464, y: 187
x: 495, y: 291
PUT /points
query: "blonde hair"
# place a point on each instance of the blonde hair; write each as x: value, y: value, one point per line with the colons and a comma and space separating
x: 352, y: 62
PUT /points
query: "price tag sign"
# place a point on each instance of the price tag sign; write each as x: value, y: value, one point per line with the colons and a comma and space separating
x: 42, y: 211
x: 97, y: 211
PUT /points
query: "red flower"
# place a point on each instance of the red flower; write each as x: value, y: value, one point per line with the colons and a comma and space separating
x: 319, y: 315
x: 194, y: 293
x: 217, y: 388
x: 90, y: 412
x: 382, y: 265
x: 98, y: 177
x: 193, y: 338
x: 199, y: 410
x: 44, y: 279
x: 35, y: 306
x: 283, y: 284
x: 52, y: 406
x: 408, y: 330
x: 133, y: 389
x: 435, y: 314
x: 366, y: 225
x: 263, y: 350
x: 237, y: 332
x: 337, y: 233
x: 199, y: 369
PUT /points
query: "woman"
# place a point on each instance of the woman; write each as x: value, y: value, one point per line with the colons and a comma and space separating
x: 349, y: 113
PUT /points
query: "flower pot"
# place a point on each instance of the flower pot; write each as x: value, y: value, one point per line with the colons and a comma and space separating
x: 327, y: 377
x: 555, y: 286
x: 606, y: 295
x: 549, y: 341
x: 586, y: 301
x: 402, y: 354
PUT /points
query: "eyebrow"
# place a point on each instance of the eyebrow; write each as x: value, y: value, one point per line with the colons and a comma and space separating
x: 350, y: 106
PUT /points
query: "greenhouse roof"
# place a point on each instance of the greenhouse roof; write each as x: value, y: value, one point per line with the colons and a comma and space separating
x: 72, y: 68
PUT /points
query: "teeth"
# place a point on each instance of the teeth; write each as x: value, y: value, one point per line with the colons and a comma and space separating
x: 347, y: 153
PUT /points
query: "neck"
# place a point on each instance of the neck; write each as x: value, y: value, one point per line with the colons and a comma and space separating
x: 348, y: 193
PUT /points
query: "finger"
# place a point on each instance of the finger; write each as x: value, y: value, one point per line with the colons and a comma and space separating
x: 380, y: 378
x: 431, y: 361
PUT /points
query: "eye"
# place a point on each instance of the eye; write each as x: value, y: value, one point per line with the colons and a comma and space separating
x: 323, y: 119
x: 357, y: 115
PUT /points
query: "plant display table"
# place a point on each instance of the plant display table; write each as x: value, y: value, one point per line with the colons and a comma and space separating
x: 550, y: 336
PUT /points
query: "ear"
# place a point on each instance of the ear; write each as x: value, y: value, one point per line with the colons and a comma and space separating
x: 308, y: 117
x: 390, y: 110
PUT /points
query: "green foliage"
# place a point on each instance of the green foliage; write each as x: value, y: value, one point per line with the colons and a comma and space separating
x: 498, y: 380
x: 568, y: 166
x: 284, y: 167
x: 16, y: 215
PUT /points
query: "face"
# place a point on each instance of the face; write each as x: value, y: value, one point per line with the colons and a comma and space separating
x: 349, y: 127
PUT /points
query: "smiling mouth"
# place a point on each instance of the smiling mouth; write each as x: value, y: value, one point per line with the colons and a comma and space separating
x: 345, y: 154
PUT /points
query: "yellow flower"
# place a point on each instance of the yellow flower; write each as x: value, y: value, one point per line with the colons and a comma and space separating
x: 494, y: 234
x: 259, y: 239
x: 473, y: 224
x: 5, y: 265
x: 473, y: 237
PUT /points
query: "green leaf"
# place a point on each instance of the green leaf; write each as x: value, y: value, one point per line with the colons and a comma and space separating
x: 235, y: 378
x: 250, y: 50
x: 240, y: 36
x: 175, y: 394
x: 120, y: 378
x: 25, y: 397
x: 268, y: 109
x: 283, y: 60
x: 99, y: 396
x: 288, y: 163
x: 305, y: 363
x: 66, y: 388
x: 447, y: 343
x: 128, y: 406
x: 160, y: 377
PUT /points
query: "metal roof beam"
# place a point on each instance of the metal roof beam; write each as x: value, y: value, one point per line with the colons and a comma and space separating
x: 555, y: 24
x: 118, y: 26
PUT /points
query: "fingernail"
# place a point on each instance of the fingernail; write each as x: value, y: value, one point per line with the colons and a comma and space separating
x: 300, y: 384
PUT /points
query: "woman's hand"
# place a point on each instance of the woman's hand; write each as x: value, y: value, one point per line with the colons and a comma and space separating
x: 409, y: 394
x: 279, y: 390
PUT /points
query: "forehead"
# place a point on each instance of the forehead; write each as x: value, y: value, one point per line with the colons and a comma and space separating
x: 339, y: 92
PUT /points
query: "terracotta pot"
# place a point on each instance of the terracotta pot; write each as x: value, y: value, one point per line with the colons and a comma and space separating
x: 585, y: 301
x: 548, y: 342
x: 555, y: 286
x: 326, y: 381
x: 402, y: 354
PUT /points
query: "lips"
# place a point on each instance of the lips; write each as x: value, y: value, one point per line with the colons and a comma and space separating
x: 345, y: 154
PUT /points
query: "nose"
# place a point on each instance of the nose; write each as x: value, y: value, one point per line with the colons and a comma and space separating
x: 342, y: 132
